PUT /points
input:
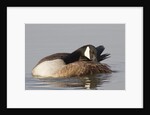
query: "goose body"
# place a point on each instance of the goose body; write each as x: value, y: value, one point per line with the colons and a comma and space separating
x: 81, y: 62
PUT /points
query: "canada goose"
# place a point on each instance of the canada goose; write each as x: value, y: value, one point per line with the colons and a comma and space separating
x: 83, y: 61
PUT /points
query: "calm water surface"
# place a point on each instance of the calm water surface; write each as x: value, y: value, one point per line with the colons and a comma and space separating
x: 45, y: 39
x: 114, y: 80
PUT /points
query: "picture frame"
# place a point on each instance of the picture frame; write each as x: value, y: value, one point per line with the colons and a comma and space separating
x: 4, y: 33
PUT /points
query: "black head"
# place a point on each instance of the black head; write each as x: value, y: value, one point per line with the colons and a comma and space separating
x: 87, y: 53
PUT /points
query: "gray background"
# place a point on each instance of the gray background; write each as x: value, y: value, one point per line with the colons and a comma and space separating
x: 45, y: 39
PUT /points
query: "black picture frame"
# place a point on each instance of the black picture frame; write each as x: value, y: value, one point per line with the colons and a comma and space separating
x: 44, y: 3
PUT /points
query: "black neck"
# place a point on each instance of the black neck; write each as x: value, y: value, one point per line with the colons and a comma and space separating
x: 75, y: 56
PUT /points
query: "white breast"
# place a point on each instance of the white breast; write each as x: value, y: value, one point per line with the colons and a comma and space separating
x: 48, y: 68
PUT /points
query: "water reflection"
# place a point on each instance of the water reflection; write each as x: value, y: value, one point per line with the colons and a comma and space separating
x: 87, y: 82
x: 90, y: 82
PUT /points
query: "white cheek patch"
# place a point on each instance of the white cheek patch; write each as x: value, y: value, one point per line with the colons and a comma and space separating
x: 87, y: 52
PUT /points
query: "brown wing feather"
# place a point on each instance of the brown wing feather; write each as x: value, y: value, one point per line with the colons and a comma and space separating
x: 54, y: 56
x: 82, y: 68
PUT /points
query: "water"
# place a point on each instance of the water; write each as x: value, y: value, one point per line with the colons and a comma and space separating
x: 45, y: 39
